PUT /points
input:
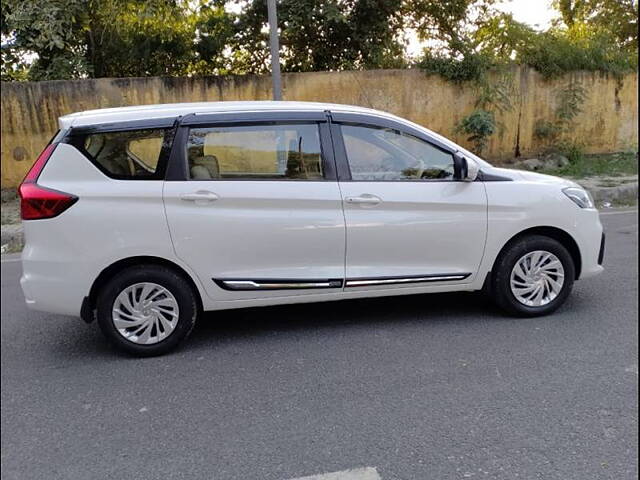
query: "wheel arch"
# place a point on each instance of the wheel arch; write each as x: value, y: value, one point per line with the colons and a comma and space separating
x: 561, y: 236
x: 109, y: 272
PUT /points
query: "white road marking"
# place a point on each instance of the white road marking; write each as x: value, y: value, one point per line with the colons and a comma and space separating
x: 366, y: 473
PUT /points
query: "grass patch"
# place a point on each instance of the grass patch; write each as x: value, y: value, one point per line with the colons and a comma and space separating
x: 600, y: 165
x: 12, y: 248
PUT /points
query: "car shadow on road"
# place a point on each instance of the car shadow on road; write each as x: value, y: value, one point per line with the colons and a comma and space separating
x: 227, y: 325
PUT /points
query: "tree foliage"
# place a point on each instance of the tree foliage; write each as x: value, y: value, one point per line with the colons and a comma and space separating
x: 324, y: 35
x: 130, y: 39
x: 583, y: 43
x: 556, y: 52
x: 57, y: 39
x: 619, y: 18
x: 450, y: 23
x: 117, y: 38
x: 49, y: 29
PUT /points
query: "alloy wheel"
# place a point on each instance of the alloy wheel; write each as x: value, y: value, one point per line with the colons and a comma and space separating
x: 537, y: 278
x: 145, y: 313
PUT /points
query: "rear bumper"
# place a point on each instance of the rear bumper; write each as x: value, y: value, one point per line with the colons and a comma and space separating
x: 87, y: 312
x: 47, y: 294
x: 52, y: 284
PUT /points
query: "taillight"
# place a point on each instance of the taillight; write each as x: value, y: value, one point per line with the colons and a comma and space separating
x: 38, y: 202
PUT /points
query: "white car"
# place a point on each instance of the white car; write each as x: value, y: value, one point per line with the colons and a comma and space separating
x: 144, y: 217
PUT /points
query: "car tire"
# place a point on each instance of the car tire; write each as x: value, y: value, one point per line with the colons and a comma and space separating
x: 532, y: 276
x: 151, y: 295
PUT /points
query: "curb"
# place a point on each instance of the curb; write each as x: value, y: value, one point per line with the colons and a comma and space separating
x: 625, y: 193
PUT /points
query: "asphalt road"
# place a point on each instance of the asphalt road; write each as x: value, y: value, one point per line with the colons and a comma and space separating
x: 424, y: 387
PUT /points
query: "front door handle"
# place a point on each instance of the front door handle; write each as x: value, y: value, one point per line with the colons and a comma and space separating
x: 364, y: 199
x: 200, y: 197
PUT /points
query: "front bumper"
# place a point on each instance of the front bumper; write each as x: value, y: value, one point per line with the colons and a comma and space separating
x: 602, y: 247
x: 589, y: 235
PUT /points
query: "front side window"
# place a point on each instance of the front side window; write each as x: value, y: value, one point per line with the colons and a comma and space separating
x: 128, y: 155
x: 275, y: 152
x: 384, y: 154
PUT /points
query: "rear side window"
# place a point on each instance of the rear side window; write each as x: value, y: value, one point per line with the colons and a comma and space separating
x: 276, y: 152
x: 127, y: 155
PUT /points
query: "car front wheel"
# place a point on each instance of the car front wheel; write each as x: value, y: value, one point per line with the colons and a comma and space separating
x: 533, y: 276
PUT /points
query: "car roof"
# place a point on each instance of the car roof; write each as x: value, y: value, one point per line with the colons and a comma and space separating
x: 172, y: 110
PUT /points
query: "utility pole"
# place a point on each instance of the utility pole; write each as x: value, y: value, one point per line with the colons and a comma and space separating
x: 275, y: 49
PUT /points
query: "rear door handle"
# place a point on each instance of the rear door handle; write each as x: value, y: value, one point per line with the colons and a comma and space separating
x: 200, y: 197
x: 365, y: 199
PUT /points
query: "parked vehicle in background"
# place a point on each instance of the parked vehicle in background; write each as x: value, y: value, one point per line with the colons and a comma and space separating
x: 144, y: 217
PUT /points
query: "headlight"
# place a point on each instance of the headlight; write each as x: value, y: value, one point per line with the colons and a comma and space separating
x: 579, y: 196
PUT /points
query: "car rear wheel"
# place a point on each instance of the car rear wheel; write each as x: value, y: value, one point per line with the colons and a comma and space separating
x: 533, y: 276
x: 146, y: 310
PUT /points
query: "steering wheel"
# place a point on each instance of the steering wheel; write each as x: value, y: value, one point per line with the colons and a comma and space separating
x: 419, y: 168
x: 391, y: 164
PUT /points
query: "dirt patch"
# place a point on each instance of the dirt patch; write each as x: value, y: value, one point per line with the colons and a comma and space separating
x: 10, y: 212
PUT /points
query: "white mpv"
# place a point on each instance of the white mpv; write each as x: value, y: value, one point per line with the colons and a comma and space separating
x: 142, y: 218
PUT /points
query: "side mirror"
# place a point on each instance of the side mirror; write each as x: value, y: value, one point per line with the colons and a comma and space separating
x: 465, y: 169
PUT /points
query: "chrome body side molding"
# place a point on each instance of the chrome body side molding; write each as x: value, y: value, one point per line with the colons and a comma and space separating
x: 276, y: 284
x: 295, y: 284
x: 365, y: 282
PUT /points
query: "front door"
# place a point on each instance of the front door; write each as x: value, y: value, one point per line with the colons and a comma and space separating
x: 409, y: 222
x: 259, y: 213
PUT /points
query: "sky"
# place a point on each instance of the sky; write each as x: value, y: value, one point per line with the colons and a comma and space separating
x: 537, y: 13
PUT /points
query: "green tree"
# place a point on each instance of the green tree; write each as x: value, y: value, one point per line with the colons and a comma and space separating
x: 450, y: 22
x: 215, y: 30
x: 131, y: 39
x: 619, y: 18
x: 556, y: 51
x: 323, y: 35
x: 55, y: 39
x: 114, y: 38
x: 449, y: 26
x: 503, y: 38
x: 47, y: 28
